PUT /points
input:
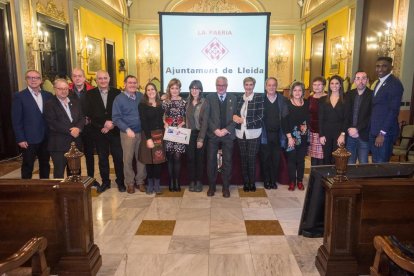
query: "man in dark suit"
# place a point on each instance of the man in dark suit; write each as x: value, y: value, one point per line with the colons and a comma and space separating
x: 221, y: 131
x: 65, y: 120
x: 358, y: 102
x: 77, y: 91
x: 30, y: 127
x: 99, y: 103
x: 385, y: 110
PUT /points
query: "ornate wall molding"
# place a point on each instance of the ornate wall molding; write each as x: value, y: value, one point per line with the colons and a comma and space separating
x: 214, y: 6
x: 51, y: 10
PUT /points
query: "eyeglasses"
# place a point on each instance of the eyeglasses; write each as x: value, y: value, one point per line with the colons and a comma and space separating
x: 221, y: 85
x: 33, y: 78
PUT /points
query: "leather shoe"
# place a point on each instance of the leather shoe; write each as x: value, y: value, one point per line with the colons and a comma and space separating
x: 103, y: 188
x: 246, y: 187
x: 226, y: 193
x: 291, y: 186
x: 300, y: 186
x: 274, y: 186
x: 267, y: 185
x: 130, y: 189
x: 121, y: 188
x: 253, y: 187
x: 210, y: 192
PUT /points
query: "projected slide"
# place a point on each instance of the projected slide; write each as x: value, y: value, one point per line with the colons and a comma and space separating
x: 205, y: 46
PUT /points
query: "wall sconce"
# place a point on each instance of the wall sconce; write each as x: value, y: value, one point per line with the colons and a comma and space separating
x: 385, y: 42
x: 148, y: 57
x: 40, y: 41
x: 342, y: 51
x: 85, y: 50
x: 279, y: 56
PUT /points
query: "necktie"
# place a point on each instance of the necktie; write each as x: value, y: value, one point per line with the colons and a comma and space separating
x: 221, y: 98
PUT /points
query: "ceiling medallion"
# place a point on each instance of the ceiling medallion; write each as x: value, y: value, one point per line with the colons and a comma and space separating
x: 51, y: 10
x: 214, y: 6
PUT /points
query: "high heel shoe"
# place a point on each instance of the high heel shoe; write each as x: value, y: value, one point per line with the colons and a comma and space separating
x: 300, y: 186
x: 253, y: 187
x: 291, y: 186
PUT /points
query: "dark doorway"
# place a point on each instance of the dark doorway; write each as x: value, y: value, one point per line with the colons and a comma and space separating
x: 55, y: 63
x: 110, y: 61
x: 8, y: 147
x: 317, y: 60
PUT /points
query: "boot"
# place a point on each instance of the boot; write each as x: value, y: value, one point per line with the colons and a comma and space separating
x: 157, y: 187
x: 171, y: 185
x: 198, y: 187
x: 191, y: 187
x: 253, y: 187
x: 150, y: 187
x: 177, y: 185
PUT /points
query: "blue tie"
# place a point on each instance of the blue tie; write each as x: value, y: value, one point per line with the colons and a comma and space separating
x: 221, y: 98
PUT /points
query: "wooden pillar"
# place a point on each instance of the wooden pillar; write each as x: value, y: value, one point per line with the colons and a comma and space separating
x: 82, y: 256
x: 336, y: 256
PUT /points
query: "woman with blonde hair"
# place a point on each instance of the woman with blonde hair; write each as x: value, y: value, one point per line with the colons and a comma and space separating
x: 174, y: 115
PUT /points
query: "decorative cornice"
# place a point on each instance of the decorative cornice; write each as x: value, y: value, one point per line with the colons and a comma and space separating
x: 102, y: 9
x: 214, y: 6
x: 51, y: 10
x: 324, y: 8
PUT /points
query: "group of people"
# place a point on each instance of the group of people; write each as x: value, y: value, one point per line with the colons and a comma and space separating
x: 130, y: 125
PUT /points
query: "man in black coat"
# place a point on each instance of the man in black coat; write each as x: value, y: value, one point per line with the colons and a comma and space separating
x: 98, y: 104
x: 65, y: 120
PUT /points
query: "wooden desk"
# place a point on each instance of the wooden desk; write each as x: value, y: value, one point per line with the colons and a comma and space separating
x: 355, y: 212
x: 58, y: 210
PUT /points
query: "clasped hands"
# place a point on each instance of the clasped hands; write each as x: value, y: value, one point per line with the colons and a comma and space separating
x: 107, y: 127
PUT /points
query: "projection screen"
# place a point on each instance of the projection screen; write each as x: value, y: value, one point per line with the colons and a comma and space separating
x: 204, y: 46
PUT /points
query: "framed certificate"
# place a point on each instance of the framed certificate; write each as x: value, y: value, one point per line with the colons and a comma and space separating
x: 179, y: 135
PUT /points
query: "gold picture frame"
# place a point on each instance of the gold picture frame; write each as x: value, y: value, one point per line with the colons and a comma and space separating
x: 334, y: 68
x: 95, y: 58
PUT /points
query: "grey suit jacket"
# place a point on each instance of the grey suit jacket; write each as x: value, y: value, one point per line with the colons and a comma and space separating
x: 214, y: 114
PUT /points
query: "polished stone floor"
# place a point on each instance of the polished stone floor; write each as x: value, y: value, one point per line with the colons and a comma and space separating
x: 192, y: 234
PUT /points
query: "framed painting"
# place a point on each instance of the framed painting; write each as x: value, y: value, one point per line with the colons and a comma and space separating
x: 334, y: 68
x: 95, y: 56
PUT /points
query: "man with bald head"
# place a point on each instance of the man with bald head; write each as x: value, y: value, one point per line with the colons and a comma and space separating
x: 77, y: 91
x: 98, y: 104
x: 30, y: 127
x: 65, y: 120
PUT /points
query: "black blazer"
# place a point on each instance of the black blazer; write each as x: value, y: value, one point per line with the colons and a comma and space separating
x: 96, y: 111
x: 214, y: 114
x: 60, y: 124
x: 364, y: 113
x: 332, y: 120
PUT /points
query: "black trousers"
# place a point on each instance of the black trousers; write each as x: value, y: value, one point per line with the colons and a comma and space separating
x: 89, y: 144
x: 213, y: 145
x: 29, y: 156
x: 248, y: 152
x: 105, y: 144
x: 270, y: 157
x: 330, y: 146
x: 296, y: 162
x: 154, y: 171
x: 195, y: 158
x: 59, y: 163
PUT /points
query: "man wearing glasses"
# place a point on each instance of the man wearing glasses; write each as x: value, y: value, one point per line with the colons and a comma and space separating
x: 30, y: 127
x: 220, y: 131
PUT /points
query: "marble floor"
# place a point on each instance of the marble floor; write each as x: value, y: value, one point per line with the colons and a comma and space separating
x: 192, y: 234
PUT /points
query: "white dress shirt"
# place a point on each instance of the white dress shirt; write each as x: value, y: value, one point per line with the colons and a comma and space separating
x: 37, y: 96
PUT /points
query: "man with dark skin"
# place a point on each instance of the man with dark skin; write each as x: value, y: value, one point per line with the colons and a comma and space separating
x: 385, y: 110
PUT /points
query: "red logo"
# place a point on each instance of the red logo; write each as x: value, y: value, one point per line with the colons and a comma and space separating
x: 215, y: 50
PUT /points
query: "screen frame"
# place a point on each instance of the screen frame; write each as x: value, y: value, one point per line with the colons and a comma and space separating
x: 161, y: 14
